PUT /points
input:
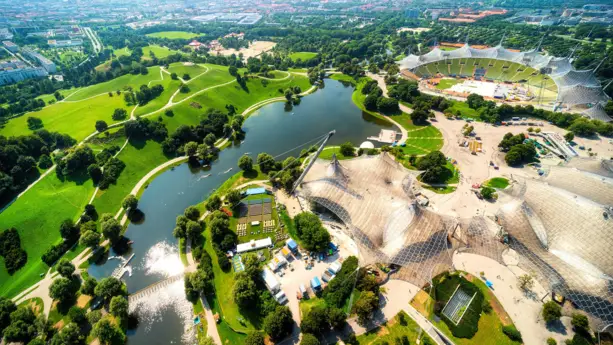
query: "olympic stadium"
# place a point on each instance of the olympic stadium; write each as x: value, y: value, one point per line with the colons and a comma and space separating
x: 559, y: 226
x: 552, y: 80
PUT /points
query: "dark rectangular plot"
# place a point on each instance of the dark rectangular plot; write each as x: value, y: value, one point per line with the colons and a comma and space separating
x: 255, y: 209
x: 243, y: 210
x: 267, y: 208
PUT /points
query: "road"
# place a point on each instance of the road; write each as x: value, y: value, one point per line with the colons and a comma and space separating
x: 92, y: 37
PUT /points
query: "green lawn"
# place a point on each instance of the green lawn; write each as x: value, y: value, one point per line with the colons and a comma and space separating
x: 140, y: 158
x: 121, y: 52
x: 135, y: 81
x: 497, y: 182
x: 304, y: 56
x: 183, y: 35
x: 170, y: 86
x: 257, y: 230
x: 447, y: 83
x: 464, y: 109
x: 76, y: 119
x: 37, y: 216
x: 327, y: 153
x: 159, y: 52
x: 307, y: 304
x: 393, y: 329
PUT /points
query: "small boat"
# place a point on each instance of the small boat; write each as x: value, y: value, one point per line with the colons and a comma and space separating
x: 247, y: 153
x: 130, y: 242
x: 227, y: 171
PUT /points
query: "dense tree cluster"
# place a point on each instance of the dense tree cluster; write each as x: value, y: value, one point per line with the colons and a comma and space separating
x: 321, y: 319
x: 433, y: 167
x: 10, y: 249
x: 21, y: 97
x: 278, y: 324
x: 70, y: 235
x: 215, y: 122
x: 18, y: 156
x: 142, y: 128
x: 312, y: 234
x: 516, y: 151
x: 76, y: 161
x: 339, y: 289
x: 223, y: 237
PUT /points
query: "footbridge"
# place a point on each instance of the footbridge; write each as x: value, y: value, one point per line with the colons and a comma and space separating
x: 140, y: 294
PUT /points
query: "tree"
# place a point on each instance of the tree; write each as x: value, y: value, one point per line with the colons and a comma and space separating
x: 233, y: 197
x: 278, y: 323
x: 366, y: 305
x: 109, y: 287
x: 174, y: 76
x: 488, y: 192
x: 107, y: 333
x: 206, y: 341
x: 111, y: 229
x: 254, y: 338
x: 101, y: 126
x: 34, y: 123
x: 525, y: 282
x: 90, y: 239
x: 68, y: 230
x: 214, y: 203
x: 337, y: 317
x: 191, y: 148
x: 433, y: 165
x: 233, y: 71
x: 210, y: 139
x: 169, y: 113
x: 266, y: 162
x: 370, y: 102
x: 192, y: 213
x: 89, y: 286
x: 77, y: 315
x: 551, y: 311
x: 45, y: 162
x: 580, y: 322
x: 475, y: 101
x: 419, y: 116
x: 244, y: 291
x: 569, y: 136
x: 289, y: 94
x: 387, y: 105
x: 119, y: 114
x: 61, y: 290
x: 245, y: 163
x: 315, y: 321
x: 551, y: 341
x: 347, y: 149
x: 119, y: 306
x: 130, y: 203
x: 65, y: 268
x: 309, y: 339
x: 193, y: 230
x: 186, y: 77
x: 313, y: 235
x: 95, y: 172
x: 6, y: 308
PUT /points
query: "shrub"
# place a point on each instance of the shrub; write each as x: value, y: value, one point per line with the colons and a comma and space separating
x: 580, y: 322
x: 551, y: 341
x: 551, y: 311
x: 512, y: 332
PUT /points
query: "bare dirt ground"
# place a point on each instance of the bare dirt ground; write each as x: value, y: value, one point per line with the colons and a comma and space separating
x: 255, y: 49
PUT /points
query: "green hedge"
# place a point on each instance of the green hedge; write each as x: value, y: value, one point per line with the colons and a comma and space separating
x: 445, y: 285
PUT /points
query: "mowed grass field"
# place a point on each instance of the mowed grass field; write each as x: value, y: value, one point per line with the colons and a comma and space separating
x: 37, y: 216
x: 170, y: 86
x: 181, y: 68
x: 304, y: 56
x: 447, y: 83
x: 218, y: 98
x: 76, y: 119
x: 158, y: 51
x: 183, y: 35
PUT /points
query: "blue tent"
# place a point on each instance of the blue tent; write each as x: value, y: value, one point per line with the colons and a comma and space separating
x: 292, y: 245
x: 315, y: 283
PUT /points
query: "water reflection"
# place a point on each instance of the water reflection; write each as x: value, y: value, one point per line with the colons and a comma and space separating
x: 163, y: 260
x: 161, y: 313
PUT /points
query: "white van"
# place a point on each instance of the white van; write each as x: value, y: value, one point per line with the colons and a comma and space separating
x: 281, y: 298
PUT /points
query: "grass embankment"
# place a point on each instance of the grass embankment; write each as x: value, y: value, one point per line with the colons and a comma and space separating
x: 344, y: 78
x: 497, y: 182
x: 173, y: 35
x: 304, y: 56
x: 159, y: 52
x: 170, y: 86
x: 489, y: 324
x: 121, y: 83
x: 215, y: 75
x: 76, y: 119
x: 327, y: 153
x: 181, y: 68
x: 398, y: 327
x: 37, y: 216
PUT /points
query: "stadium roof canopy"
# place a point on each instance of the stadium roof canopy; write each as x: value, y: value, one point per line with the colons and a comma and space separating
x: 562, y: 227
x: 574, y: 87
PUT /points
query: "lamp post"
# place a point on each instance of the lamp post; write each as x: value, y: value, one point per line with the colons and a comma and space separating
x: 602, y: 330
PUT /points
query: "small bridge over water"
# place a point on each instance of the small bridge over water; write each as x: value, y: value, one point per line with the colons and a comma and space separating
x: 142, y: 293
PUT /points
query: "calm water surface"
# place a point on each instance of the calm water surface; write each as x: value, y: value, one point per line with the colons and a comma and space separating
x: 271, y: 129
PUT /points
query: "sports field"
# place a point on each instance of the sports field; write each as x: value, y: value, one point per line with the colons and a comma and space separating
x: 304, y: 56
x: 447, y: 83
x: 173, y: 35
x: 498, y: 70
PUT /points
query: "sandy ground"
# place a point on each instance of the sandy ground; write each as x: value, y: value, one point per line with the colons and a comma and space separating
x: 255, y: 49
